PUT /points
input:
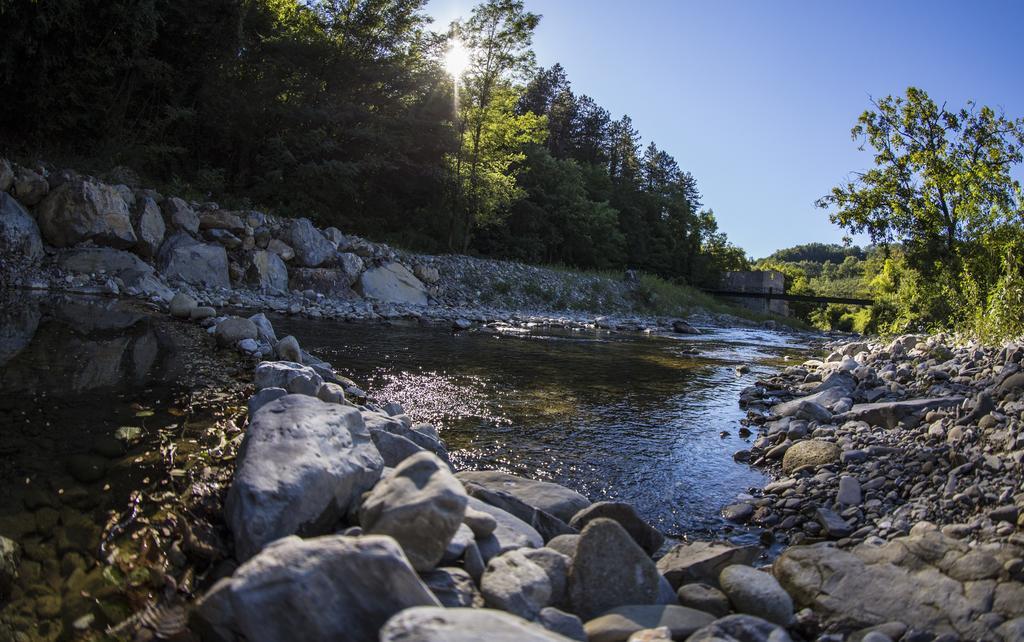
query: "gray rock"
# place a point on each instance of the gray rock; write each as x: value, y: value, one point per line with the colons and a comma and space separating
x: 610, y: 570
x: 617, y: 624
x: 556, y: 566
x: 179, y: 216
x: 234, y: 329
x: 833, y: 525
x: 29, y: 187
x: 463, y: 625
x: 740, y: 628
x: 182, y: 257
x: 392, y: 283
x: 281, y: 249
x: 889, y: 413
x: 426, y: 273
x: 480, y: 523
x: 311, y: 248
x: 82, y: 210
x: 565, y: 544
x: 510, y: 532
x: 293, y: 377
x: 149, y: 225
x: 19, y: 234
x: 547, y: 525
x: 318, y: 590
x: 221, y: 220
x: 327, y: 281
x: 393, y: 448
x: 350, y: 267
x: 702, y: 561
x: 756, y: 593
x: 263, y: 397
x: 453, y: 588
x: 6, y: 175
x: 132, y: 270
x: 334, y: 393
x: 267, y: 272
x: 303, y: 464
x: 810, y: 452
x: 703, y: 597
x: 849, y: 491
x: 562, y: 623
x: 265, y: 328
x: 646, y: 536
x: 288, y: 349
x: 420, y: 504
x: 376, y: 421
x: 248, y: 346
x: 513, y: 583
x: 551, y: 498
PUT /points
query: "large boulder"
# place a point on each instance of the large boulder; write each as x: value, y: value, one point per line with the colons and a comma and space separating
x: 29, y: 186
x: 756, y: 593
x: 514, y: 583
x: 327, y: 281
x: 133, y: 271
x: 392, y: 283
x: 149, y: 227
x: 546, y: 524
x: 302, y: 466
x: 424, y: 624
x: 642, y: 533
x: 618, y: 624
x: 82, y: 210
x: 810, y: 452
x: 234, y: 329
x: 221, y: 220
x: 179, y: 216
x: 182, y: 257
x: 19, y: 233
x: 420, y: 504
x: 350, y: 266
x: 702, y: 561
x: 323, y: 589
x: 267, y: 273
x: 551, y: 498
x: 610, y: 570
x: 311, y: 248
x: 293, y: 377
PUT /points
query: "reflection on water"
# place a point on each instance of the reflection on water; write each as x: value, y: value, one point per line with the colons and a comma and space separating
x: 634, y: 418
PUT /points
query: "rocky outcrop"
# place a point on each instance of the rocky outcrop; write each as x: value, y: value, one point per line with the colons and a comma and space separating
x: 318, y: 590
x: 82, y: 210
x: 392, y: 283
x: 284, y: 483
x: 186, y: 259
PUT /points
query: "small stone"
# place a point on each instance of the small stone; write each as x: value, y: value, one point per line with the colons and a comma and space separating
x: 181, y: 305
x: 703, y: 597
x: 849, y: 491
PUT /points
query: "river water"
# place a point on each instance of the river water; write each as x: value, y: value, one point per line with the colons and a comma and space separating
x: 104, y: 405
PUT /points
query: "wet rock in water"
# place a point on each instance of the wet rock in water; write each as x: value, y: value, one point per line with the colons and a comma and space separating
x: 420, y: 504
x: 810, y: 452
x: 740, y: 512
x: 740, y: 628
x: 510, y: 532
x: 513, y: 583
x: 311, y: 248
x: 618, y: 624
x: 293, y: 377
x: 756, y: 593
x: 19, y: 233
x: 610, y: 570
x: 234, y: 329
x: 288, y: 349
x: 562, y: 623
x: 182, y: 305
x: 682, y: 327
x: 83, y: 210
x: 179, y: 216
x: 317, y: 590
x: 453, y: 587
x: 702, y: 561
x: 703, y: 597
x: 87, y: 468
x: 302, y: 465
x: 463, y: 625
x: 392, y: 283
x: 184, y: 258
x: 551, y: 498
x: 642, y: 533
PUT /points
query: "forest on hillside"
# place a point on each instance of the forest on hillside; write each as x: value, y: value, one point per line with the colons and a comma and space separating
x: 350, y: 112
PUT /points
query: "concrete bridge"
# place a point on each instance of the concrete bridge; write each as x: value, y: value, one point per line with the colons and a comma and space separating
x: 765, y: 291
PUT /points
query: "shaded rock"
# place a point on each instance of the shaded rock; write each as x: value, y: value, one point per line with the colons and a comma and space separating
x: 810, y: 452
x: 318, y: 590
x: 513, y: 583
x: 82, y: 210
x: 740, y: 628
x: 29, y: 187
x: 703, y: 597
x: 849, y: 491
x: 393, y: 448
x: 756, y: 593
x: 267, y: 272
x: 311, y: 248
x: 833, y: 525
x: 234, y: 329
x: 551, y: 498
x: 334, y: 393
x: 463, y: 625
x: 392, y: 283
x: 182, y: 257
x: 610, y: 570
x: 426, y: 273
x: 133, y: 271
x: 288, y: 349
x: 327, y: 281
x: 284, y: 483
x: 10, y: 557
x: 149, y: 225
x: 420, y: 504
x: 547, y: 525
x: 350, y: 267
x: 479, y: 522
x: 179, y: 216
x: 509, y: 533
x: 6, y: 175
x: 453, y: 587
x: 265, y: 328
x: 889, y: 413
x: 263, y: 397
x: 293, y: 377
x: 643, y: 534
x: 222, y: 220
x: 702, y: 561
x: 562, y: 623
x: 619, y: 623
x: 19, y: 234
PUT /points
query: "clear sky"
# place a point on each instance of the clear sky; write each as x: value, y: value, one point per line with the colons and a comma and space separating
x: 756, y: 99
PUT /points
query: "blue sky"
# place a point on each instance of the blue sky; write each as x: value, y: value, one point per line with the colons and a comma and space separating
x: 756, y: 99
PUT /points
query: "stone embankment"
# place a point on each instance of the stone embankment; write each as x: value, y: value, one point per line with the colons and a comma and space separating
x: 63, y: 231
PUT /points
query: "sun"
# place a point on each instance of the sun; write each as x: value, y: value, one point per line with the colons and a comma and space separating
x: 456, y: 60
